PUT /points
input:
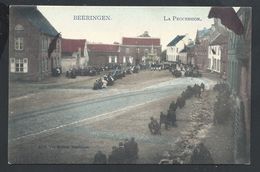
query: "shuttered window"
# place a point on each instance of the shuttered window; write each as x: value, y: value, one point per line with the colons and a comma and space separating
x: 12, y: 65
x: 18, y: 43
x: 19, y: 65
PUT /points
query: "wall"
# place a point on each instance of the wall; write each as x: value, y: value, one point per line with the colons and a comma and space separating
x: 31, y: 47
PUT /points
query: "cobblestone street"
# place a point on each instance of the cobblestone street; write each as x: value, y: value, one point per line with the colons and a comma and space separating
x: 75, y: 139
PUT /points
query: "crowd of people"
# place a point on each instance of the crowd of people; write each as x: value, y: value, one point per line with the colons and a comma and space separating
x: 187, y: 70
x: 169, y: 119
x: 125, y: 153
x: 118, y: 73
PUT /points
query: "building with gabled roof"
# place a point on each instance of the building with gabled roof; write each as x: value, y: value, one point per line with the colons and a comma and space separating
x: 239, y: 80
x: 201, y: 48
x: 176, y: 51
x: 142, y: 49
x: 74, y: 53
x: 217, y: 53
x: 30, y: 34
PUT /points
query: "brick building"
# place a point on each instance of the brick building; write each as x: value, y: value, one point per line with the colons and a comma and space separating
x: 74, y: 53
x: 217, y: 53
x: 30, y: 34
x: 142, y: 49
x: 201, y: 48
x: 102, y: 54
x: 239, y: 79
x: 218, y: 47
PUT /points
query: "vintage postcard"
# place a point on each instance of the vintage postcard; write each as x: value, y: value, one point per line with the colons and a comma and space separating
x: 129, y: 85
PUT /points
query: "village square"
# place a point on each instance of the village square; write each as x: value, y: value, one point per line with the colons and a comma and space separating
x: 140, y: 99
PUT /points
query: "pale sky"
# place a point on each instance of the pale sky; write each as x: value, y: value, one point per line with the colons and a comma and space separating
x: 126, y: 21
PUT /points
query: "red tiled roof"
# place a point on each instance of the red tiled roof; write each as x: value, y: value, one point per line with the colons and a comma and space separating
x: 72, y: 45
x: 103, y: 47
x: 141, y: 41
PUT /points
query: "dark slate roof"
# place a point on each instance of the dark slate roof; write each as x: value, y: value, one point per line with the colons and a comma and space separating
x: 187, y: 48
x: 35, y: 17
x: 176, y: 40
x: 202, y: 33
x: 219, y: 40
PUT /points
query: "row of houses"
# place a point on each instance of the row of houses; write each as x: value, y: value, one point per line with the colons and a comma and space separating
x: 208, y: 51
x: 132, y: 50
x: 226, y: 52
x: 30, y: 37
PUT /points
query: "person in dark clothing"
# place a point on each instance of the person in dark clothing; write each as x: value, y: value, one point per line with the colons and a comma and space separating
x: 164, y: 120
x: 133, y: 150
x: 154, y: 126
x: 112, y: 159
x: 173, y: 106
x: 121, y: 155
x: 201, y: 155
x: 100, y: 158
x: 171, y: 117
x: 128, y: 153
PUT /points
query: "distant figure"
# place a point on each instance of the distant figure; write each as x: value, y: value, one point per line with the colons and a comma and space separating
x: 154, y: 126
x: 121, y: 155
x: 173, y: 106
x: 133, y: 147
x: 202, y: 86
x: 224, y: 76
x: 100, y: 158
x: 201, y: 155
x: 113, y: 158
x: 163, y: 120
x: 171, y: 117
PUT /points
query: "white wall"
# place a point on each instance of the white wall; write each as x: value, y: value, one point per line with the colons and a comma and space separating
x: 172, y: 52
x: 67, y: 63
x: 214, y: 59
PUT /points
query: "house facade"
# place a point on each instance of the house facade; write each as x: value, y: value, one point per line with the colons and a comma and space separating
x: 177, y: 49
x: 218, y: 47
x: 191, y: 54
x: 239, y: 80
x: 136, y: 50
x: 74, y: 53
x: 201, y: 48
x: 30, y: 34
x: 102, y: 54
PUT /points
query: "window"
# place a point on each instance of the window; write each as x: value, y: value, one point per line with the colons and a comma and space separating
x: 112, y: 59
x: 217, y: 65
x: 146, y: 52
x: 19, y: 65
x: 127, y: 50
x: 18, y: 43
x: 47, y: 64
x: 19, y: 27
x: 209, y: 65
x: 124, y: 59
x: 214, y: 64
x: 58, y: 45
x: 155, y: 51
x: 44, y: 43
